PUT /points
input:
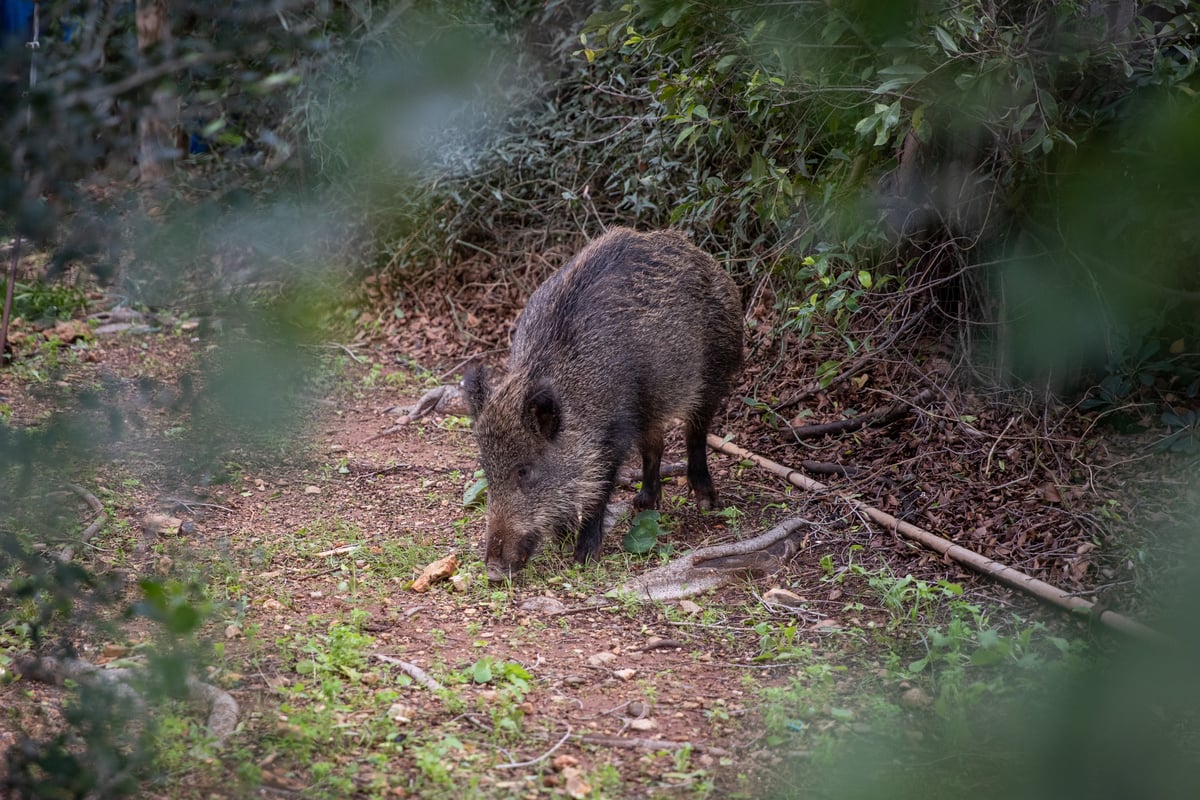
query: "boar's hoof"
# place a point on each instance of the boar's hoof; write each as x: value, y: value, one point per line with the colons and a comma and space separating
x: 707, y: 500
x: 644, y: 501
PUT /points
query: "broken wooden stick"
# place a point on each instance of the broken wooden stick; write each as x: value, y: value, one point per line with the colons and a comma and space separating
x: 1001, y: 572
x: 873, y: 419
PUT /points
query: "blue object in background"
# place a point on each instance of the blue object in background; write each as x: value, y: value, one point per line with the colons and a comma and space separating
x: 16, y: 19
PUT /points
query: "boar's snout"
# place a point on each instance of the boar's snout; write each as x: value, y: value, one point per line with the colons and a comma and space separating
x: 496, y: 573
x: 507, y: 552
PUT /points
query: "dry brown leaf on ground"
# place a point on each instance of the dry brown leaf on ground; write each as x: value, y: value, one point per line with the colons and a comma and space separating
x: 439, y: 570
x: 70, y: 330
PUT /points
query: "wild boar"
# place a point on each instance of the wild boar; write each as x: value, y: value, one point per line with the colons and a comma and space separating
x: 636, y: 330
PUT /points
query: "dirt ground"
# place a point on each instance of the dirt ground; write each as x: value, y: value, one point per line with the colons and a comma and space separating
x: 304, y: 537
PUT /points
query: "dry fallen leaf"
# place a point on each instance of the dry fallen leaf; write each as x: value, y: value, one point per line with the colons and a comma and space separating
x: 112, y: 651
x: 1050, y: 493
x: 577, y: 787
x: 159, y: 524
x: 439, y: 570
x: 70, y: 330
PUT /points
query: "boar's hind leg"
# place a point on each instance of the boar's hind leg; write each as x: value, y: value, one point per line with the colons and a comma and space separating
x: 651, y: 446
x: 699, y: 479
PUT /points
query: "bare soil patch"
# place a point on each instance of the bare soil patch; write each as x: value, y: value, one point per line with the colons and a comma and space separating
x: 308, y: 546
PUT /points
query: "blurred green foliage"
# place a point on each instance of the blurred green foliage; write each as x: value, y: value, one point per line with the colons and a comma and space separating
x: 1027, y: 169
x: 1022, y: 170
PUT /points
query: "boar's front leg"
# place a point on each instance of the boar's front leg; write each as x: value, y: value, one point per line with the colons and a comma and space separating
x: 587, y: 545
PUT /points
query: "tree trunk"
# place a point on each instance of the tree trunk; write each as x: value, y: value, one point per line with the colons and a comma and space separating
x: 156, y: 146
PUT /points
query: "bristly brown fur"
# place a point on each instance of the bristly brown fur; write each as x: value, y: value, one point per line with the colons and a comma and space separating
x: 636, y: 330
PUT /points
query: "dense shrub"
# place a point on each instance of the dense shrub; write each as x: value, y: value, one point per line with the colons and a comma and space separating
x: 987, y: 157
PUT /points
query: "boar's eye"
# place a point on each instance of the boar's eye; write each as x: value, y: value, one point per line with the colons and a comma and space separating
x: 523, y: 475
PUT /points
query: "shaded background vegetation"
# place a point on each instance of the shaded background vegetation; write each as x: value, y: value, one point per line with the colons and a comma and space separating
x: 1013, y: 180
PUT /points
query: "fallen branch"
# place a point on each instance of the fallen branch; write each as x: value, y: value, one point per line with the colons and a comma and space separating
x: 68, y: 552
x: 874, y: 419
x: 825, y: 468
x: 1001, y: 572
x: 222, y: 708
x: 627, y: 476
x: 658, y: 644
x: 701, y: 570
x: 412, y: 670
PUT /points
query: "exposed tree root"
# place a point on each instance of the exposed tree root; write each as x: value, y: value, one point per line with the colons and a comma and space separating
x: 445, y: 399
x: 222, y: 708
x: 710, y: 567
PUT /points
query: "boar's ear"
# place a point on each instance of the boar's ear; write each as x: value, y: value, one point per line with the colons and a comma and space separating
x: 544, y: 410
x: 475, y: 386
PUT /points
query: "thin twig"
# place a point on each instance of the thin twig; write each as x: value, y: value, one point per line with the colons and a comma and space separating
x: 337, y: 551
x: 542, y: 757
x: 987, y: 467
x: 357, y: 358
x: 89, y: 97
x: 581, y: 609
x: 394, y: 429
x: 658, y: 644
x: 189, y: 505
